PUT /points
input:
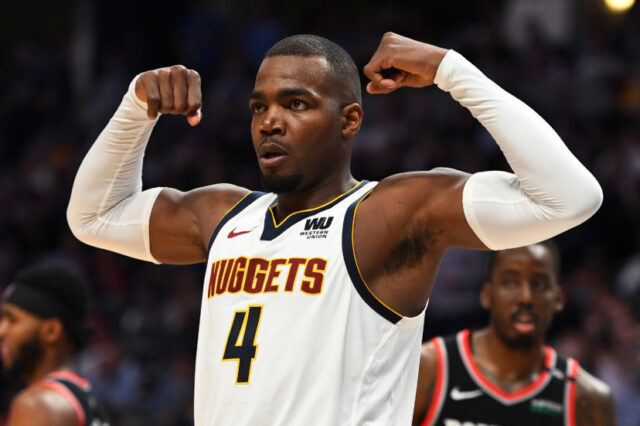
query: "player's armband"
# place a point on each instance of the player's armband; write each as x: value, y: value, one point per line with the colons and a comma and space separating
x: 503, y: 215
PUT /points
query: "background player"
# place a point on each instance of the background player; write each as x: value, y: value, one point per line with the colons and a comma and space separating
x: 306, y: 108
x: 505, y: 374
x: 43, y: 326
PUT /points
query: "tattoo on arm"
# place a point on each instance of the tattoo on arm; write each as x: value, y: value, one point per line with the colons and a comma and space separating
x: 594, y: 408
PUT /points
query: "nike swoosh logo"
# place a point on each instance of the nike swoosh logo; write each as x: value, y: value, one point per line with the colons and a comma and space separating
x: 458, y: 395
x: 233, y: 234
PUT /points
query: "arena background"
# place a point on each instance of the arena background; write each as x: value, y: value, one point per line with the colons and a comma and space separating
x: 65, y: 65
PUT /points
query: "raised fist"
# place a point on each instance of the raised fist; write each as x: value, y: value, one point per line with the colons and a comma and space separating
x: 171, y: 90
x: 402, y: 62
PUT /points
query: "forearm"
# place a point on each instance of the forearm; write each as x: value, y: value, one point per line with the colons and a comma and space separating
x: 550, y: 192
x: 107, y: 208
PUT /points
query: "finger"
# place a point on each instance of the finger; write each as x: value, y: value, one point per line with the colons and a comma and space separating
x: 150, y: 83
x: 393, y: 74
x: 194, y: 118
x: 179, y: 82
x: 371, y: 72
x: 166, y: 90
x: 194, y: 92
x: 381, y: 87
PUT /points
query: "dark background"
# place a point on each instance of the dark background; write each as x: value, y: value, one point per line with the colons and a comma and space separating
x: 65, y: 65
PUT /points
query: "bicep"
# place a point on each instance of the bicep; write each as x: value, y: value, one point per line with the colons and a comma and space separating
x: 436, y: 199
x: 182, y: 223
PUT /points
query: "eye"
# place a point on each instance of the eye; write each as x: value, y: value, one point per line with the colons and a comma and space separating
x: 510, y: 283
x: 7, y: 317
x: 539, y: 284
x: 298, y: 105
x: 257, y: 107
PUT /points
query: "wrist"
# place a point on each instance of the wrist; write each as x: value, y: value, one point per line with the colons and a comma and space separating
x: 435, y: 59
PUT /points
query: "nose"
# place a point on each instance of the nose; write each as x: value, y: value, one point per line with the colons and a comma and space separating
x: 524, y: 293
x: 272, y: 123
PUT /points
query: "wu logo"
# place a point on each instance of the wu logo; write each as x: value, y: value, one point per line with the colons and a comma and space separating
x: 318, y: 223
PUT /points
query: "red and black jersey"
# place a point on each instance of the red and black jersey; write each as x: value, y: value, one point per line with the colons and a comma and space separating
x: 78, y: 392
x: 464, y: 396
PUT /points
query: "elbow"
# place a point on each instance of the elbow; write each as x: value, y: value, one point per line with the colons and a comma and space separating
x: 586, y: 199
x: 591, y: 197
x: 74, y: 224
x: 77, y: 225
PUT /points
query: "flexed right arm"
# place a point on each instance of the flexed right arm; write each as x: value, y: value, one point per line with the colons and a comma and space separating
x: 108, y: 208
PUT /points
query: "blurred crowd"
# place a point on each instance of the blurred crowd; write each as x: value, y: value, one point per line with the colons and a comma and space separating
x: 64, y: 74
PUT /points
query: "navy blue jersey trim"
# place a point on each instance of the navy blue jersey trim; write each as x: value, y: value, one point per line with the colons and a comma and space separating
x: 271, y: 230
x: 352, y: 267
x: 240, y: 205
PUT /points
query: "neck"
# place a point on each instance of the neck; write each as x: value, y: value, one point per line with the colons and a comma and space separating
x: 515, y: 366
x: 51, y: 361
x: 315, y: 195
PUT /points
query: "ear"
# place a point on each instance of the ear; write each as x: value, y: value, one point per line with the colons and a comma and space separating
x: 351, y: 120
x: 51, y: 330
x: 485, y: 296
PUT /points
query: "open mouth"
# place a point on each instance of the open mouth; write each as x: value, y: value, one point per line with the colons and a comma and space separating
x: 524, y: 324
x: 271, y: 158
x: 271, y: 154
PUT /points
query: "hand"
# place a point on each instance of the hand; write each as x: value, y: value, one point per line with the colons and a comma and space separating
x: 401, y: 61
x: 171, y: 90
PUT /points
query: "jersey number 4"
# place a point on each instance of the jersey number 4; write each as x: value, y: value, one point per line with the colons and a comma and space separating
x: 245, y: 324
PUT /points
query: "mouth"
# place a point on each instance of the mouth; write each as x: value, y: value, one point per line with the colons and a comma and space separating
x: 524, y: 323
x: 271, y: 154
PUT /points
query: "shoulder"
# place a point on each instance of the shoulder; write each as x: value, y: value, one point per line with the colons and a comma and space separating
x: 427, y: 376
x: 591, y: 386
x: 428, y: 355
x: 430, y: 358
x: 210, y: 197
x: 39, y: 405
x: 594, y: 400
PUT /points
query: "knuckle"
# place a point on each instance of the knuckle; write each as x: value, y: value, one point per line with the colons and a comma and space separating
x: 180, y: 104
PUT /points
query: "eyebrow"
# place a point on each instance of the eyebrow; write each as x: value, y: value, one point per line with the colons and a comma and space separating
x: 296, y: 91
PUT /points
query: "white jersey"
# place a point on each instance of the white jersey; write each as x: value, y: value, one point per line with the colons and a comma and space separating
x: 289, y: 332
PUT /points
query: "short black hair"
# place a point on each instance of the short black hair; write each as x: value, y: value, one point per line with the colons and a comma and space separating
x: 66, y: 288
x: 341, y: 63
x: 549, y: 244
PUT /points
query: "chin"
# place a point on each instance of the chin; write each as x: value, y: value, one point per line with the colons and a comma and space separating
x: 281, y: 183
x: 521, y: 341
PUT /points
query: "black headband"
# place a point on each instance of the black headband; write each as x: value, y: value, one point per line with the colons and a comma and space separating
x: 43, y: 305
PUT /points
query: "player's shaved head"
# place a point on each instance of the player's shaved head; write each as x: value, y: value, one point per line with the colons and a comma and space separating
x: 341, y: 63
x: 550, y: 245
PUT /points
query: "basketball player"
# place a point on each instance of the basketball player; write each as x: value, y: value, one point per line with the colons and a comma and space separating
x: 505, y: 374
x: 314, y: 293
x: 43, y: 325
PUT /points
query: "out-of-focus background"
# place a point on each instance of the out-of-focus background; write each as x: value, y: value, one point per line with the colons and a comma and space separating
x: 65, y: 65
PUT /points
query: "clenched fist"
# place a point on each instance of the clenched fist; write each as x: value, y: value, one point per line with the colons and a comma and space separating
x: 171, y: 90
x: 402, y: 62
